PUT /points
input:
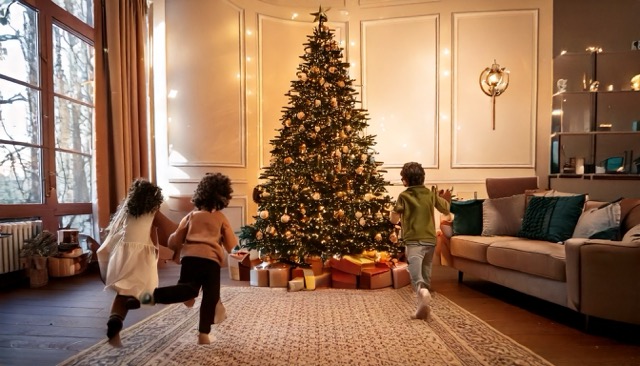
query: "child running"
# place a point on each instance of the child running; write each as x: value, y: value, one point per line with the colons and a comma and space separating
x: 414, y: 208
x: 200, y: 239
x: 128, y: 258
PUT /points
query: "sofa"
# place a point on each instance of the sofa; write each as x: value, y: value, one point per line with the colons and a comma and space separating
x: 588, y: 259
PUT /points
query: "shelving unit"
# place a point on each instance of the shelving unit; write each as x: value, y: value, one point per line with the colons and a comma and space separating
x: 596, y: 117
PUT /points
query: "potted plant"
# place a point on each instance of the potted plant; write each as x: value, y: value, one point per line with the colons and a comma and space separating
x: 36, y: 251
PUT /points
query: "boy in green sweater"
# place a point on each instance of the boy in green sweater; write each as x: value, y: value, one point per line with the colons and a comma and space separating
x: 414, y: 210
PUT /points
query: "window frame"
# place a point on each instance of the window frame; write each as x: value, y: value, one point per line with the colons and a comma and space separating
x: 51, y: 211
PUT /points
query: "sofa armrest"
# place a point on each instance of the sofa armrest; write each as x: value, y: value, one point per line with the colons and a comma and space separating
x: 603, y: 279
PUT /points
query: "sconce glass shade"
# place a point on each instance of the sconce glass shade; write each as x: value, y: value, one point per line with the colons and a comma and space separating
x: 494, y: 80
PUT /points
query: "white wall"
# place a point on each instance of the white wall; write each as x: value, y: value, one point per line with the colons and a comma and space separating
x: 416, y: 62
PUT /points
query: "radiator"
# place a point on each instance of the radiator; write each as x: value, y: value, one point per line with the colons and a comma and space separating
x: 11, y: 245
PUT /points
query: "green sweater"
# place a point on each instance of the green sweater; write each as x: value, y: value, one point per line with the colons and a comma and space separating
x: 416, y: 206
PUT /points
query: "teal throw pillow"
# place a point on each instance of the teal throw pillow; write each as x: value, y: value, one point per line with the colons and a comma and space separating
x: 467, y: 219
x: 551, y: 218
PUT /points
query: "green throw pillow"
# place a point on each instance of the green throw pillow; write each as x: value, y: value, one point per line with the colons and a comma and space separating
x: 467, y: 219
x: 551, y: 218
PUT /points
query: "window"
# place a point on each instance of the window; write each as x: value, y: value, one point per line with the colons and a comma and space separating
x: 47, y: 60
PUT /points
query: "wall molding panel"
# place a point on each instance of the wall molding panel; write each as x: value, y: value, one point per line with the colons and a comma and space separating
x: 477, y: 42
x: 206, y: 121
x: 402, y: 100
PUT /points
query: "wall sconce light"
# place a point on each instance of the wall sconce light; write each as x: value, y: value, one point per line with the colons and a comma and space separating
x: 494, y: 81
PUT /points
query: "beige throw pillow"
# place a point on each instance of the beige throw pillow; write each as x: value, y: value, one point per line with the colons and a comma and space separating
x: 503, y: 216
x: 598, y: 220
x: 632, y: 235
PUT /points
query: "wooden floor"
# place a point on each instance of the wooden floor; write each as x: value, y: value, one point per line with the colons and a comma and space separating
x: 46, y: 325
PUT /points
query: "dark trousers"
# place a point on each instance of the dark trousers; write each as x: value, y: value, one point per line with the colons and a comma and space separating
x: 195, y: 273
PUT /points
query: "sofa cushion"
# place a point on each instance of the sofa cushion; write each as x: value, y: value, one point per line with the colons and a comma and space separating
x: 502, y: 216
x: 473, y: 247
x: 551, y: 218
x: 602, y: 222
x: 539, y: 258
x: 467, y: 219
x: 630, y: 213
x: 632, y: 235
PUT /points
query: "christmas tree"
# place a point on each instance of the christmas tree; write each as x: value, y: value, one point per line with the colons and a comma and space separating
x: 323, y: 193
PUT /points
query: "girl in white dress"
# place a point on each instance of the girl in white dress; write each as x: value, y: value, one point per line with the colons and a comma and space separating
x: 128, y: 258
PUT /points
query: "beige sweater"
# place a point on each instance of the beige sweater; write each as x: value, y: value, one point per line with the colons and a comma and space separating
x: 204, y: 234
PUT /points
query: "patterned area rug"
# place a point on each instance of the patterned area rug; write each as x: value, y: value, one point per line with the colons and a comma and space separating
x: 268, y: 326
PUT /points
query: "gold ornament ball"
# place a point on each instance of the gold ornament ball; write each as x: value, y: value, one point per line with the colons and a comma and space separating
x: 259, y: 235
x: 358, y: 215
x: 285, y: 218
x: 264, y: 214
x: 378, y: 237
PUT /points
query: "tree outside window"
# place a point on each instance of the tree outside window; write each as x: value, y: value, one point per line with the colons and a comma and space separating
x: 47, y: 60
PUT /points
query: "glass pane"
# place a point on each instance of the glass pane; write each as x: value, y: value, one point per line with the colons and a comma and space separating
x: 73, y: 173
x: 19, y: 113
x: 576, y: 111
x: 618, y: 111
x: 81, y: 9
x: 19, y: 43
x: 20, y: 169
x: 575, y: 69
x: 72, y: 66
x: 82, y: 223
x: 616, y: 69
x: 74, y: 126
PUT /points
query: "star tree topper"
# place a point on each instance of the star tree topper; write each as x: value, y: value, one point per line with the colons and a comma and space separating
x: 321, y: 15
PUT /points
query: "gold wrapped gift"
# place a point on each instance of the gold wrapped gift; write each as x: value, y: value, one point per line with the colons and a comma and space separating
x: 279, y: 275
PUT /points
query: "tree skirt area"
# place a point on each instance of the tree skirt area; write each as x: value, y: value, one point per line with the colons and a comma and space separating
x: 270, y: 326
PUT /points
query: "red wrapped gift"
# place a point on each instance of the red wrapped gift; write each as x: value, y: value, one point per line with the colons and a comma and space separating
x: 374, y: 278
x: 352, y: 264
x: 341, y: 279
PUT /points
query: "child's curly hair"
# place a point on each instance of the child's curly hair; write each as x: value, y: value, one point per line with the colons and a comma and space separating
x: 144, y: 197
x: 213, y: 192
x: 413, y: 174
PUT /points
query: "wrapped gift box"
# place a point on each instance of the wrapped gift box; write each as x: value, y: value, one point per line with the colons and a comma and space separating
x: 374, y: 278
x: 279, y: 275
x: 352, y: 264
x: 341, y: 279
x: 259, y: 276
x: 323, y: 280
x: 240, y: 264
x: 296, y: 284
x: 400, y: 275
x: 316, y: 264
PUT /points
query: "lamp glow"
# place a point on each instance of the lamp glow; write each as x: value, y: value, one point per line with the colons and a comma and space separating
x: 494, y: 81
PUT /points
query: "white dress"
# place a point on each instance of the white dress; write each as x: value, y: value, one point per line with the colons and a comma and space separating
x: 128, y: 258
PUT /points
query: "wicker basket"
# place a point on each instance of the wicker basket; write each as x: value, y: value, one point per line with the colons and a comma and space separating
x: 65, y: 267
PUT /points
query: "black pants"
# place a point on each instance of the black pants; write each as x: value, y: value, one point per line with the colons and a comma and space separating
x: 195, y: 273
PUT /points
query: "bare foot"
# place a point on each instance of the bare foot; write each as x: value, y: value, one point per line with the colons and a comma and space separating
x: 424, y: 304
x: 190, y: 303
x: 203, y: 338
x: 115, y: 341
